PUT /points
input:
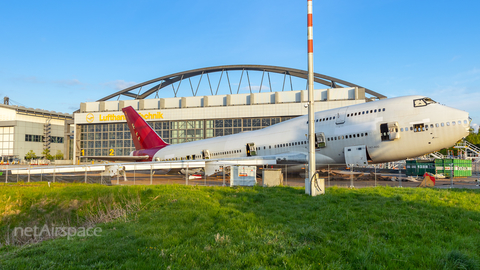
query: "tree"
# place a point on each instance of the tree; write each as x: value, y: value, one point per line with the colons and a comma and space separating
x: 59, y: 155
x: 474, y: 137
x: 30, y: 155
x: 46, y: 154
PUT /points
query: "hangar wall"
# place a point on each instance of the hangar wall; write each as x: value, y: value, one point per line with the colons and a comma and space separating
x: 100, y: 127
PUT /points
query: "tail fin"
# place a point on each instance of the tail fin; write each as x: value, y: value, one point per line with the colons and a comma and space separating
x: 143, y: 136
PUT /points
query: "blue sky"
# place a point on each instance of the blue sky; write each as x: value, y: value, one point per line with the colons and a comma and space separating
x: 56, y: 54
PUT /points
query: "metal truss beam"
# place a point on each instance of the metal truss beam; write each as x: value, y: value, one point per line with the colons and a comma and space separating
x: 168, y: 80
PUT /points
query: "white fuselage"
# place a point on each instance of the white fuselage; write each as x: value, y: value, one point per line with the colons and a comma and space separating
x: 413, y: 130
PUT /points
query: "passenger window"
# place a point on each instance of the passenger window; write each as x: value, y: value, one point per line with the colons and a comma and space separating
x: 353, y: 135
x: 350, y: 136
x: 448, y: 124
x: 348, y: 115
x: 366, y: 112
x: 431, y: 125
x: 453, y: 123
x: 436, y: 124
x: 465, y: 122
x: 355, y: 114
x: 401, y: 129
x: 383, y: 110
x: 363, y: 112
x: 334, y: 118
x: 316, y: 121
x: 366, y: 134
x: 442, y: 124
x: 371, y: 111
x: 459, y: 122
x: 375, y: 110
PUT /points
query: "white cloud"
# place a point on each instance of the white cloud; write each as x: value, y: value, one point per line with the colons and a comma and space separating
x: 62, y: 83
x: 475, y: 127
x: 119, y: 84
x: 30, y: 79
x: 455, y: 58
x: 467, y: 77
x: 66, y: 83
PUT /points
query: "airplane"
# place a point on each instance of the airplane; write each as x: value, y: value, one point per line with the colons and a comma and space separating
x: 374, y: 132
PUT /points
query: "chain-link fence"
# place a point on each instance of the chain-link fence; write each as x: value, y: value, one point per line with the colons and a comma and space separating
x: 292, y: 174
x: 476, y: 169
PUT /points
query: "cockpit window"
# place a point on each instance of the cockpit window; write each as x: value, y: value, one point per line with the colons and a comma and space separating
x: 421, y: 102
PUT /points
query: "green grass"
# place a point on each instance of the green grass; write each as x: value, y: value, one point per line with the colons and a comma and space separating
x: 220, y: 227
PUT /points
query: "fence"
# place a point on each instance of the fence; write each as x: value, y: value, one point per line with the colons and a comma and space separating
x: 141, y: 174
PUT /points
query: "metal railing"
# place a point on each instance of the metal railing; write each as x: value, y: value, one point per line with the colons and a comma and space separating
x: 472, y: 151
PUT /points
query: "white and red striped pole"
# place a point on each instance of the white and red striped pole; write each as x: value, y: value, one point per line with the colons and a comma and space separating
x: 311, y: 109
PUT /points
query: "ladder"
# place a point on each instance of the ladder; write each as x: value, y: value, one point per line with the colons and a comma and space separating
x: 472, y: 151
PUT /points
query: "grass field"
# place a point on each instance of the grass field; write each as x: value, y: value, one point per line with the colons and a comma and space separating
x: 178, y: 227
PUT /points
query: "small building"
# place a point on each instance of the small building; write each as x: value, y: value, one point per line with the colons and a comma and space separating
x: 23, y: 129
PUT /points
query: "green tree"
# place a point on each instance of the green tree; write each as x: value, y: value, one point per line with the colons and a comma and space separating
x: 59, y: 155
x: 46, y: 154
x: 30, y: 155
x: 474, y: 137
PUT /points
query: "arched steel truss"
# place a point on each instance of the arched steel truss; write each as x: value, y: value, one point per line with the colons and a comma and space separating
x: 164, y: 81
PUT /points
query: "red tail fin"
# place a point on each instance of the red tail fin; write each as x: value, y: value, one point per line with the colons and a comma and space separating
x: 143, y: 136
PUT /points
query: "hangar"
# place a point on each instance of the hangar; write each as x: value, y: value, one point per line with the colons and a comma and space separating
x: 100, y: 127
x: 23, y: 129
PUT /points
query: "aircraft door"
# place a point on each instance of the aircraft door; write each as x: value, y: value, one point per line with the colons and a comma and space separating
x: 356, y: 155
x: 205, y: 154
x: 389, y: 131
x: 394, y: 131
x: 251, y: 150
x: 340, y: 117
x: 320, y: 141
